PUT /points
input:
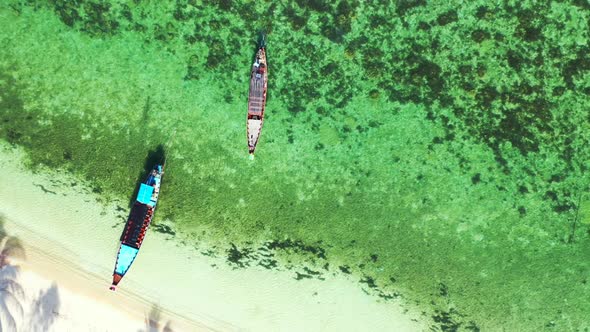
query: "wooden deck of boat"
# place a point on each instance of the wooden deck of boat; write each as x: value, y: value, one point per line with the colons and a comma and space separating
x: 256, y: 98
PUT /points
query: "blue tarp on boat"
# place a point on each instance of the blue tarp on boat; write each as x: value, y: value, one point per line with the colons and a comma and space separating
x: 145, y: 193
x: 126, y: 256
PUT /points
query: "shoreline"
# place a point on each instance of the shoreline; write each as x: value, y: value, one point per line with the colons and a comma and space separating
x: 60, y: 271
x: 80, y: 237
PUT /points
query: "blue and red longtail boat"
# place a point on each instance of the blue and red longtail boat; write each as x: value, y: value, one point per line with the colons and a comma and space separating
x: 140, y: 217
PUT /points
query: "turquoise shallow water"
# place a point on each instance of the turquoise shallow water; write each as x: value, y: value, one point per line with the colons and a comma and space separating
x: 436, y: 151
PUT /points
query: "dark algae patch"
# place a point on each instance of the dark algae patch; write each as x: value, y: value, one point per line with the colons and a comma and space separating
x: 433, y: 153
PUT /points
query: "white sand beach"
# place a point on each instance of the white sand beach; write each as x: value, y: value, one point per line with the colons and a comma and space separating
x: 48, y: 306
x: 71, y: 243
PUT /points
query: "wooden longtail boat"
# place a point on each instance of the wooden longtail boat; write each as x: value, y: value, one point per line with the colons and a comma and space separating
x: 257, y: 97
x: 139, y: 220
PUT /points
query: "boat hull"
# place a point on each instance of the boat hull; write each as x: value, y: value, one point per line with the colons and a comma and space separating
x: 138, y: 222
x: 257, y: 99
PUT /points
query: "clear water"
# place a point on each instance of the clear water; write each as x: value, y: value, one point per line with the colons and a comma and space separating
x: 436, y: 151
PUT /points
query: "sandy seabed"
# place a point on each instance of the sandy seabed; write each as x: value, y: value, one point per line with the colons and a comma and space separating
x: 71, y: 243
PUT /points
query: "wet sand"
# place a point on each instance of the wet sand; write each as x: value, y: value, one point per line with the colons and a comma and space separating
x: 73, y: 240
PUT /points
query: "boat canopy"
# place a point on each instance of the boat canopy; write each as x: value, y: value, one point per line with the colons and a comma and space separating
x: 126, y: 256
x: 145, y: 193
